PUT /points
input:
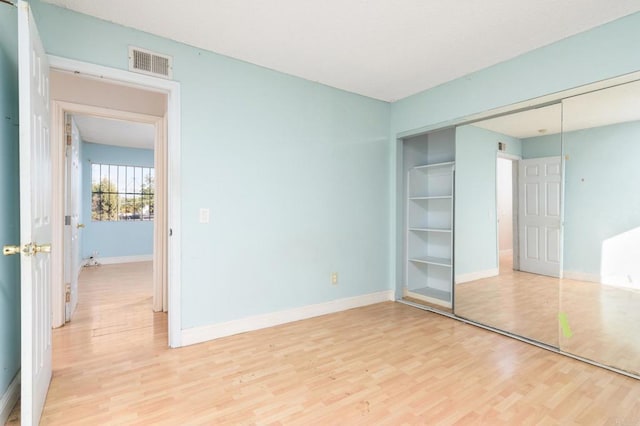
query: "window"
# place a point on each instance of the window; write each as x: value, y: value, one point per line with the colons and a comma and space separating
x: 121, y: 192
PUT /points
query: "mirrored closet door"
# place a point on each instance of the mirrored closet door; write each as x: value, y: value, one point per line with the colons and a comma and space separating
x: 600, y: 292
x: 507, y: 217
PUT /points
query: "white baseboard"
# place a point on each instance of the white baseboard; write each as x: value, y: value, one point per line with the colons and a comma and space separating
x: 122, y: 259
x: 478, y: 275
x: 581, y: 276
x: 9, y: 399
x: 620, y: 281
x: 195, y: 335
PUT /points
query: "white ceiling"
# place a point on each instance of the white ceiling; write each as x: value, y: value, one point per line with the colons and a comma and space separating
x: 115, y: 132
x: 385, y: 49
x: 617, y: 104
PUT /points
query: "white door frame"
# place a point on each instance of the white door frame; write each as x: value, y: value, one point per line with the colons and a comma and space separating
x: 171, y: 232
x: 514, y: 209
x: 59, y: 110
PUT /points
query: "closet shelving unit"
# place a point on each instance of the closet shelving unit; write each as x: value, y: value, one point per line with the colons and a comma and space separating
x: 429, y: 233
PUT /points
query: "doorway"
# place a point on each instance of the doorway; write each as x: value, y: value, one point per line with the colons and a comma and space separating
x: 103, y: 122
x: 507, y: 212
x: 109, y: 204
x: 165, y: 123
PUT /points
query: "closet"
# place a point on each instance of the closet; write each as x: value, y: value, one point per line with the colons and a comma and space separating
x: 429, y: 170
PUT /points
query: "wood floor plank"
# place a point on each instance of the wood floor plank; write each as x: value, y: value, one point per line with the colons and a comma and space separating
x: 387, y: 364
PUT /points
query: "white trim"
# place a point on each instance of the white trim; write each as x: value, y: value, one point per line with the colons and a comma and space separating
x: 620, y: 281
x: 581, y: 276
x: 172, y: 90
x: 122, y: 259
x: 9, y: 398
x: 478, y: 275
x: 507, y: 156
x: 195, y: 335
x: 58, y: 173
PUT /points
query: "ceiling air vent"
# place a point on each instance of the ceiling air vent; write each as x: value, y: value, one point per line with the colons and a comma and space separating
x: 150, y: 63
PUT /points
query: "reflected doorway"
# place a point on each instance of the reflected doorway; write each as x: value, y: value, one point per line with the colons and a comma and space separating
x: 506, y: 194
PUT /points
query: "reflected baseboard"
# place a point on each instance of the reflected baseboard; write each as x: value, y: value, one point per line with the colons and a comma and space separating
x: 620, y: 281
x: 478, y: 275
x: 581, y: 276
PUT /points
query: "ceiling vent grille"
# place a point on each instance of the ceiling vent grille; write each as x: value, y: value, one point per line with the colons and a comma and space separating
x: 150, y: 63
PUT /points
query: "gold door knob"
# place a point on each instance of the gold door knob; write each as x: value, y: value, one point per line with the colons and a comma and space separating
x: 29, y: 249
x: 80, y: 225
x: 42, y: 248
x: 10, y: 250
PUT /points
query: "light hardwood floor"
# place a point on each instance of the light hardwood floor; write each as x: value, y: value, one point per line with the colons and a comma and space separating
x: 603, y: 320
x: 519, y: 302
x: 382, y: 364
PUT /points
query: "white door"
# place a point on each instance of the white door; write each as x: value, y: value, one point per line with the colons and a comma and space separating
x: 72, y: 213
x: 539, y: 210
x: 35, y: 218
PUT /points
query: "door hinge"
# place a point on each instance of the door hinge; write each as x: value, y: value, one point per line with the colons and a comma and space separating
x: 67, y: 130
x: 67, y: 293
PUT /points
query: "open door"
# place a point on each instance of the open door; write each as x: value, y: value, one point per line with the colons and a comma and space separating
x: 35, y: 218
x: 539, y: 194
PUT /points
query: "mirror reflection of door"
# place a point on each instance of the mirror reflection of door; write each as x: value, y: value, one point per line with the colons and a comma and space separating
x: 509, y: 280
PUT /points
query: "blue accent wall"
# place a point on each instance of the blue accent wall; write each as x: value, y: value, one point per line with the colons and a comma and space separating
x: 475, y: 214
x: 9, y: 199
x: 113, y: 239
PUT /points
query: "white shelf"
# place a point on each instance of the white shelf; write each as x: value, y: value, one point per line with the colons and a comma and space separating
x: 430, y: 230
x: 435, y: 197
x: 429, y: 220
x: 431, y: 181
x: 446, y: 164
x: 430, y: 260
x: 433, y: 293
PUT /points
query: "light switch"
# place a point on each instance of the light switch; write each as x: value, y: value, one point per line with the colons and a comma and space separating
x: 204, y: 215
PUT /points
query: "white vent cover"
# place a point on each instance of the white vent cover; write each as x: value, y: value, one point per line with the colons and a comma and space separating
x: 150, y: 63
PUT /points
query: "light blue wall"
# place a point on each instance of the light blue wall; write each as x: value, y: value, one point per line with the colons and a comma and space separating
x: 295, y: 174
x: 299, y: 176
x: 542, y: 146
x: 9, y: 199
x: 475, y: 213
x: 601, y: 191
x: 113, y: 239
x: 601, y: 53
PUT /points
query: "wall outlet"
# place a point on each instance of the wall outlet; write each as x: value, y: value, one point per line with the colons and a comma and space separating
x: 334, y: 278
x: 204, y: 215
